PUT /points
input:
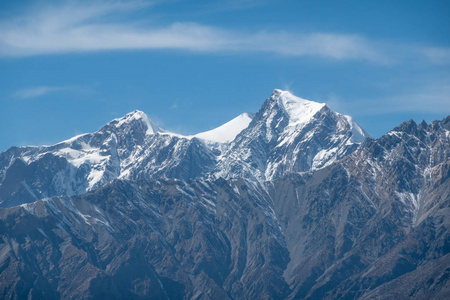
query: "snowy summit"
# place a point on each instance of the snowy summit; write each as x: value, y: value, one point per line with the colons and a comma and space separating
x: 298, y: 109
x: 137, y: 115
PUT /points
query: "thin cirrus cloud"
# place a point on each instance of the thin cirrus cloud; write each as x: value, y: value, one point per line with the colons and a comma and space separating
x: 39, y: 91
x: 68, y: 29
x: 437, y: 55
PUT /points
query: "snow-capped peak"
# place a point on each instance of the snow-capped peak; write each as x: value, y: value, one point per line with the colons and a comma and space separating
x: 137, y: 115
x: 228, y: 131
x: 299, y: 110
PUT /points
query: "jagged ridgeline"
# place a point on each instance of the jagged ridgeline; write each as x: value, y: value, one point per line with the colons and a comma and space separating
x: 293, y: 202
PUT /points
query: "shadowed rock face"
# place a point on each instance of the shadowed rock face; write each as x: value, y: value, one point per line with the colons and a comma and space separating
x: 158, y: 239
x: 372, y: 224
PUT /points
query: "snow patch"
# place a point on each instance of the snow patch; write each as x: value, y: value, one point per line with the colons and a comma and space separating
x: 228, y: 131
x: 299, y: 110
x: 358, y: 134
x: 409, y: 199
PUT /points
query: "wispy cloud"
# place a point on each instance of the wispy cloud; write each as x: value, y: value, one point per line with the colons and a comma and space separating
x: 35, y: 92
x: 101, y: 26
x: 72, y: 28
x: 39, y: 91
x: 180, y: 104
x: 438, y: 56
x: 221, y: 6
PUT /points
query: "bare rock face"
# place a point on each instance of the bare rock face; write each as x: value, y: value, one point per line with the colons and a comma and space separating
x: 133, y: 212
x: 158, y: 239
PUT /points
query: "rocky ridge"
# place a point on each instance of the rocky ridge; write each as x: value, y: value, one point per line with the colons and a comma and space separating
x: 288, y: 134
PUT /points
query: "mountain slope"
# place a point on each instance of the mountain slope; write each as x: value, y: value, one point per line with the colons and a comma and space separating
x: 374, y: 219
x: 157, y: 239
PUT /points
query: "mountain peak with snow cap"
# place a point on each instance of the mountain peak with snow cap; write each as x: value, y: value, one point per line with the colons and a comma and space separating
x: 136, y: 116
x: 299, y: 110
x: 290, y: 134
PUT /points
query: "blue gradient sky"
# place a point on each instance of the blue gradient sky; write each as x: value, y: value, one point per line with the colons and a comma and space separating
x: 70, y: 67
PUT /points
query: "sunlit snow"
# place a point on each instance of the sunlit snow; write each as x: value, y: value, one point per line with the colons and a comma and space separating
x: 228, y: 131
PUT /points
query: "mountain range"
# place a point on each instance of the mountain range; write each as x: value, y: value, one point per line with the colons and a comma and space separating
x: 295, y: 201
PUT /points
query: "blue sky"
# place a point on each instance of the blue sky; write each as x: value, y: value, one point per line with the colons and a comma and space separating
x: 69, y: 67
